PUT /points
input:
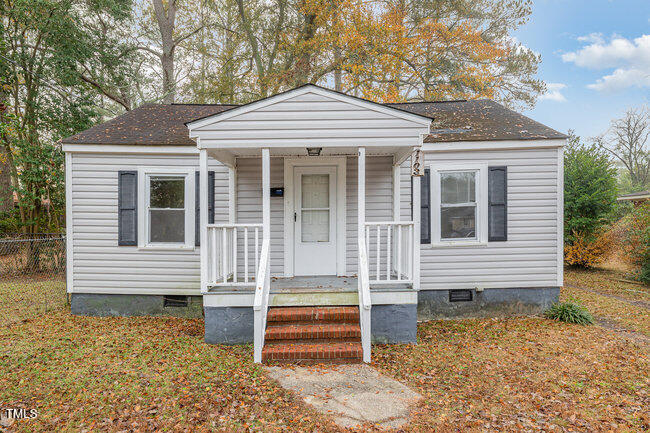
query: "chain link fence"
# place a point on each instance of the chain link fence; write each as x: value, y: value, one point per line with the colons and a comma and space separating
x: 32, y: 274
x: 36, y: 255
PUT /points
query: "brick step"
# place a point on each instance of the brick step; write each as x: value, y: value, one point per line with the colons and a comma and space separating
x: 313, y: 331
x: 323, y: 352
x: 312, y: 314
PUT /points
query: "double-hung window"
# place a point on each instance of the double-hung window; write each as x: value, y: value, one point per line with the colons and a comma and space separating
x: 459, y: 215
x: 167, y: 220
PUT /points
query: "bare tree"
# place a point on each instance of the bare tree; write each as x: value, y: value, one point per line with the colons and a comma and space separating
x: 170, y: 37
x: 627, y: 140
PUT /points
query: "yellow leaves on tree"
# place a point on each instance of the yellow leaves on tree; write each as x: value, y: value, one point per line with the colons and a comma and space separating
x: 395, y: 50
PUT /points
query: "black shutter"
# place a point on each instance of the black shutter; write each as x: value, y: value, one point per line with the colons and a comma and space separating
x: 197, y: 204
x: 127, y: 208
x: 425, y: 206
x: 498, y: 204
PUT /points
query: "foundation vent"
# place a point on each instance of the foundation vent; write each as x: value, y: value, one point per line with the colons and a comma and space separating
x: 175, y: 301
x: 460, y: 295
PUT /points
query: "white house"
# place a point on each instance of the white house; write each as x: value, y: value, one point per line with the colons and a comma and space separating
x: 288, y: 222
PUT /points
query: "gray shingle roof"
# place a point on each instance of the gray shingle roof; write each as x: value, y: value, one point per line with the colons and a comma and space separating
x: 150, y: 124
x: 479, y: 120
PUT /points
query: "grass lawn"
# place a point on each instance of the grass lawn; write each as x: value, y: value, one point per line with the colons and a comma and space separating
x: 146, y: 374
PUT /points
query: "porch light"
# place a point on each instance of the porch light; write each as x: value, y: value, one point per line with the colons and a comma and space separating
x: 314, y: 151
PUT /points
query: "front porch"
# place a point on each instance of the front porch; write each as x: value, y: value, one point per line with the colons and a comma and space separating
x: 273, y: 253
x: 316, y: 215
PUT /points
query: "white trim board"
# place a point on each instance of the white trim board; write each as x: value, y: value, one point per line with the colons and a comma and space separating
x: 128, y: 149
x: 341, y: 199
x: 462, y: 146
x: 69, y: 230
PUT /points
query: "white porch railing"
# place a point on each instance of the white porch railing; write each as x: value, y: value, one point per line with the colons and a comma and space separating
x: 261, y: 303
x: 365, y: 303
x: 392, y: 252
x: 229, y: 243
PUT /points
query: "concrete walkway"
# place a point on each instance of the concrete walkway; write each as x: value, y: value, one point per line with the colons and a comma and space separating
x: 352, y: 394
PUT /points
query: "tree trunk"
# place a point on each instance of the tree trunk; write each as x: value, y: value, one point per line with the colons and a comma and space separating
x: 166, y: 22
x: 338, y: 82
x: 6, y: 190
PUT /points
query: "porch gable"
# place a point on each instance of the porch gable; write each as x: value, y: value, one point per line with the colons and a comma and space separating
x: 309, y: 116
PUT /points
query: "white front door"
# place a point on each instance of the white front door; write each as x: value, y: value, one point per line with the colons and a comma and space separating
x: 315, y: 220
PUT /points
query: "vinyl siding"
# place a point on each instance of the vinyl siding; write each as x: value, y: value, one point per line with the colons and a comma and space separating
x: 99, y: 264
x: 311, y: 119
x: 530, y: 256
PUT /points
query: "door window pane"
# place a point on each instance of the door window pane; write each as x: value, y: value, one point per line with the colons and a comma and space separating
x: 167, y: 192
x: 458, y: 187
x: 315, y: 191
x: 315, y: 226
x: 458, y: 222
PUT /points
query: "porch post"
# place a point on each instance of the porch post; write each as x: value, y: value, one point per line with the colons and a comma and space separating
x: 361, y: 193
x: 266, y: 205
x: 416, y: 232
x: 396, y: 192
x: 203, y: 217
x: 232, y: 195
x: 266, y: 194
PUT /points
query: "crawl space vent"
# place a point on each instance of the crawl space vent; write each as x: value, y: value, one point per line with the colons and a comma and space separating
x: 460, y: 295
x: 175, y: 301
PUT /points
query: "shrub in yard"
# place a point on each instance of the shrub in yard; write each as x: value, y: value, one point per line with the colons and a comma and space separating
x: 637, y: 240
x: 587, y: 253
x: 569, y: 312
x: 589, y: 199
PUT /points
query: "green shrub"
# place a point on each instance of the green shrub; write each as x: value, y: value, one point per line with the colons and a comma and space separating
x: 589, y: 196
x: 569, y: 312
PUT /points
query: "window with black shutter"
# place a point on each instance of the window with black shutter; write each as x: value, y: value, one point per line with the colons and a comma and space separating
x: 127, y: 208
x: 498, y: 204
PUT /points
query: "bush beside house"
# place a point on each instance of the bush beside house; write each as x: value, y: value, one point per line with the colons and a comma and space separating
x: 589, y: 202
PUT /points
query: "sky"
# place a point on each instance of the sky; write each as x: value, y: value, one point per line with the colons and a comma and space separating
x: 595, y: 61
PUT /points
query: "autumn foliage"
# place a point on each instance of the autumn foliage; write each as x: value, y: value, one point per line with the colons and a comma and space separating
x: 586, y: 251
x: 395, y: 50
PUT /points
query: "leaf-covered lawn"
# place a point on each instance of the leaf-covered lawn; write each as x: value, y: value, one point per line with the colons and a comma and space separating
x: 524, y: 374
x: 24, y: 299
x: 626, y: 304
x: 146, y: 374
x: 608, y: 282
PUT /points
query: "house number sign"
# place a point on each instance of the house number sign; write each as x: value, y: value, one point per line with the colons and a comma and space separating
x: 417, y: 168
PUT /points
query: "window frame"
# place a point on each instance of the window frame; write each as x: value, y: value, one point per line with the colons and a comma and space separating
x: 144, y: 197
x: 481, y: 191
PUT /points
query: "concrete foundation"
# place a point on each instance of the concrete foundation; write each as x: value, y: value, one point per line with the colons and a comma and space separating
x: 228, y: 325
x: 435, y: 304
x: 90, y: 304
x: 394, y: 323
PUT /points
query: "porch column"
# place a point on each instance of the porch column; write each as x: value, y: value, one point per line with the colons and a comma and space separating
x: 417, y: 213
x: 203, y: 217
x: 361, y: 193
x: 266, y: 194
x: 232, y: 195
x: 266, y: 204
x: 396, y: 192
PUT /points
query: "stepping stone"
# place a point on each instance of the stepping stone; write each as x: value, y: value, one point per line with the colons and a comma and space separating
x: 352, y: 394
